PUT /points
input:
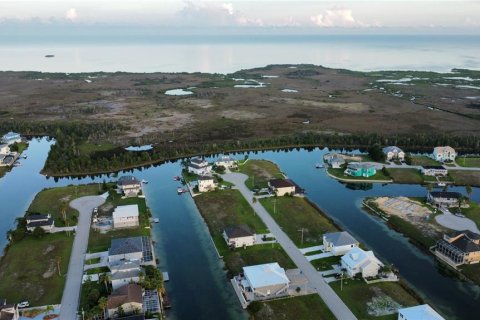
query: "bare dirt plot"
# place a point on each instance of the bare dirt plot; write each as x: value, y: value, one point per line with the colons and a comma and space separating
x: 340, y: 106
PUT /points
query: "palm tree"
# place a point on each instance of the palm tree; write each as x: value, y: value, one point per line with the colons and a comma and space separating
x: 58, y: 260
x: 49, y: 309
x: 102, y: 303
x: 63, y: 209
x: 469, y: 190
x: 105, y: 279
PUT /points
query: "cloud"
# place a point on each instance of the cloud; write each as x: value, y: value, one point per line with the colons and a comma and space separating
x: 201, y: 13
x: 71, y: 14
x: 336, y: 17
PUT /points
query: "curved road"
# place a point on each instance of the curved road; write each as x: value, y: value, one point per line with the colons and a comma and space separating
x: 71, y: 292
x: 334, y: 303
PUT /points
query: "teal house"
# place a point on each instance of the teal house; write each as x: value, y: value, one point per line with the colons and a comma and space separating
x: 357, y: 169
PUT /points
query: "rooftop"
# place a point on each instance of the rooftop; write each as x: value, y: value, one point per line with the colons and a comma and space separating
x: 466, y: 245
x: 205, y: 178
x: 37, y: 217
x: 197, y: 161
x: 340, y: 238
x: 126, y: 294
x: 471, y: 235
x: 356, y: 256
x: 125, y: 265
x: 40, y: 223
x: 281, y: 183
x: 445, y: 194
x: 126, y: 211
x: 393, y: 149
x: 263, y: 275
x: 127, y: 180
x: 238, y: 231
x: 434, y: 167
x: 125, y: 245
x: 421, y: 312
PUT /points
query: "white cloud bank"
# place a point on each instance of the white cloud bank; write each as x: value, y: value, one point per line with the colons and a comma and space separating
x: 336, y: 17
x: 214, y: 14
x: 71, y: 14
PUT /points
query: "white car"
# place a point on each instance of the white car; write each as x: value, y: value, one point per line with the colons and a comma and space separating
x: 23, y: 304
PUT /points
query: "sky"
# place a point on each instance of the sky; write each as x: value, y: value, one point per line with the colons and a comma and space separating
x: 239, y: 16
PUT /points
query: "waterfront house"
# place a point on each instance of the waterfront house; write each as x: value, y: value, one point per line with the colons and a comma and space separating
x: 4, y: 149
x: 444, y: 154
x: 358, y: 261
x: 125, y: 216
x: 434, y: 171
x: 339, y: 243
x: 335, y: 160
x: 44, y: 221
x: 206, y: 183
x: 6, y: 160
x: 8, y: 311
x: 444, y: 198
x: 128, y: 297
x: 264, y: 281
x: 394, y: 153
x: 461, y: 247
x: 124, y: 273
x: 421, y: 312
x: 358, y: 169
x: 129, y: 186
x: 282, y: 187
x: 226, y: 161
x: 199, y: 167
x: 239, y: 236
x: 131, y: 249
x: 11, y: 138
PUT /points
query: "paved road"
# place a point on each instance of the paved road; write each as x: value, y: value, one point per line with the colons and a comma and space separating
x: 71, y: 292
x: 334, y: 303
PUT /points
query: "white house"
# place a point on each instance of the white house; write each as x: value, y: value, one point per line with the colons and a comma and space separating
x: 131, y: 249
x: 282, y: 187
x: 226, y: 161
x: 8, y: 311
x: 129, y: 186
x: 434, y: 171
x: 335, y: 160
x: 199, y: 166
x: 125, y: 216
x: 124, y: 273
x: 129, y: 297
x: 394, y: 153
x: 421, y: 312
x: 44, y: 221
x: 339, y: 243
x: 239, y: 236
x: 443, y: 198
x: 206, y: 183
x: 444, y: 154
x: 4, y: 149
x: 11, y: 138
x: 264, y: 281
x: 358, y: 261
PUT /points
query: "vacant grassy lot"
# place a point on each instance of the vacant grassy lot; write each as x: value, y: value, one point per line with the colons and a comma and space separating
x: 416, y: 235
x: 424, y: 161
x: 309, y: 307
x: 466, y: 178
x: 53, y: 201
x: 293, y: 214
x: 259, y: 172
x: 356, y: 294
x: 410, y: 176
x: 339, y: 173
x: 28, y: 271
x: 468, y: 161
x: 101, y: 241
x: 326, y: 263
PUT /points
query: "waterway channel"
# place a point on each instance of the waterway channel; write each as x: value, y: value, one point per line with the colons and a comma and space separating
x: 198, y: 287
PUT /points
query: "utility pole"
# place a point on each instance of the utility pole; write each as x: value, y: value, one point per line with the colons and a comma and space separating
x: 274, y: 206
x: 301, y: 230
x: 341, y: 281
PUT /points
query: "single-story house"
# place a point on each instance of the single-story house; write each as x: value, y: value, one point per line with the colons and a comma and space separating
x: 8, y: 311
x: 6, y: 160
x: 124, y: 273
x: 282, y: 187
x: 339, y: 243
x: 199, y: 166
x: 461, y: 247
x: 226, y: 161
x: 44, y: 221
x: 125, y: 216
x: 4, y: 149
x: 239, y: 236
x: 335, y: 160
x: 394, y: 153
x: 129, y: 186
x: 358, y: 169
x: 358, y: 261
x: 129, y: 297
x: 264, y: 281
x: 131, y: 249
x: 11, y: 138
x: 444, y: 154
x: 421, y: 312
x: 444, y: 198
x: 206, y: 183
x: 434, y: 171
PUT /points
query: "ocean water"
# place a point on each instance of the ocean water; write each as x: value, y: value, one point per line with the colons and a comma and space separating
x: 224, y: 54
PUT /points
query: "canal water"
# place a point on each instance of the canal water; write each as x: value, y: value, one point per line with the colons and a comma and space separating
x: 198, y: 287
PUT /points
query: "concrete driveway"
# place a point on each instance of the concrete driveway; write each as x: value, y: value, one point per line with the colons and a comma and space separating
x: 71, y: 292
x: 453, y: 222
x: 316, y: 281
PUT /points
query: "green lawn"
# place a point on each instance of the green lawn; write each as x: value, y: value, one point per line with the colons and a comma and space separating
x: 326, y: 263
x: 53, y: 200
x: 4, y: 170
x: 465, y: 178
x: 309, y: 307
x: 189, y: 176
x: 295, y: 213
x: 87, y: 148
x: 101, y: 241
x: 468, y: 161
x: 340, y: 173
x: 259, y: 172
x: 412, y: 232
x: 410, y: 176
x: 472, y: 272
x: 473, y: 212
x: 424, y: 161
x: 356, y: 294
x: 28, y: 271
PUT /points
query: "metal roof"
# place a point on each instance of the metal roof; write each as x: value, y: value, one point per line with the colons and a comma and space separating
x: 264, y: 275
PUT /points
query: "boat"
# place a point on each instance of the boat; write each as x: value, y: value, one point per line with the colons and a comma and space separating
x: 176, y: 178
x: 180, y: 190
x: 441, y: 184
x: 144, y: 181
x: 318, y: 165
x: 156, y: 220
x: 166, y: 301
x: 49, y: 56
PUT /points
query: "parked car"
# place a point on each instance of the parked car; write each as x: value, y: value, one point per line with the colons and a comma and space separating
x: 23, y: 304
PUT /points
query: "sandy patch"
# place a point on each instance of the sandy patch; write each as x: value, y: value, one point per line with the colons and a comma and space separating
x: 51, y: 270
x: 48, y: 249
x: 241, y: 115
x: 167, y: 121
x: 353, y: 107
x: 198, y: 103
